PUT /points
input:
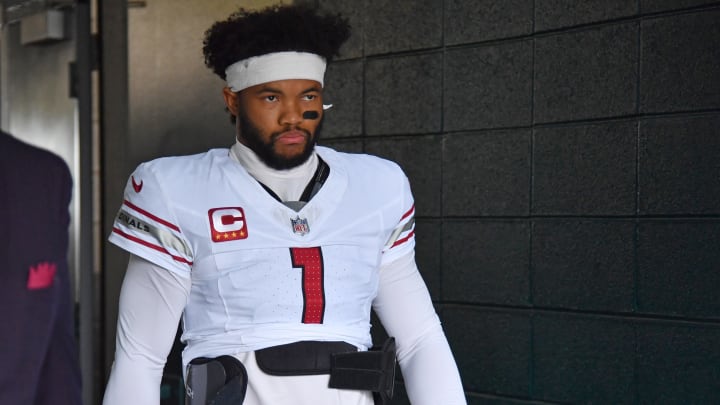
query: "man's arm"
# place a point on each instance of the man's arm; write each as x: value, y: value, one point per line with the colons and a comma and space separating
x: 151, y: 302
x: 406, y: 311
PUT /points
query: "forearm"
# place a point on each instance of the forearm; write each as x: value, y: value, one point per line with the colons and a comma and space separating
x: 151, y: 303
x: 405, y: 309
x: 430, y: 372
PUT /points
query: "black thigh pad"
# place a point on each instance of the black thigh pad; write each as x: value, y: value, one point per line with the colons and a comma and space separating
x: 216, y: 381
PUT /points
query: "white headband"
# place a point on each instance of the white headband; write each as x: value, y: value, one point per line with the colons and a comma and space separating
x: 275, y: 66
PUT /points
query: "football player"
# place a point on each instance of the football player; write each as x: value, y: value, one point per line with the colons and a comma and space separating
x: 274, y: 251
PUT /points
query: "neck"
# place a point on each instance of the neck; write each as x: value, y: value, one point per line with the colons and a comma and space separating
x: 287, y: 184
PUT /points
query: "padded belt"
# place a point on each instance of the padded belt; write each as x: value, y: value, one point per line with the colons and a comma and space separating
x: 300, y: 358
x: 372, y: 370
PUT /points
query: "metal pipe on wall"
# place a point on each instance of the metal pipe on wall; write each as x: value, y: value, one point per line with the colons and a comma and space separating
x: 114, y: 117
x: 85, y: 252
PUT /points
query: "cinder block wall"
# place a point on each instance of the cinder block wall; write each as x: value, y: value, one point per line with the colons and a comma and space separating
x: 565, y: 159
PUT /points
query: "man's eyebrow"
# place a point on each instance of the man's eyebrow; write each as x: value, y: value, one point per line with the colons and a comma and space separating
x: 268, y: 89
x: 312, y: 89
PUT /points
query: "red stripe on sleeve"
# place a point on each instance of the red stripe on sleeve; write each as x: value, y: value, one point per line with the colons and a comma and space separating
x: 151, y: 246
x: 408, y: 213
x: 149, y: 215
x: 403, y: 240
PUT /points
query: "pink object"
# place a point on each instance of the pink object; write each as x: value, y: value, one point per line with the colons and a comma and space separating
x: 41, y: 275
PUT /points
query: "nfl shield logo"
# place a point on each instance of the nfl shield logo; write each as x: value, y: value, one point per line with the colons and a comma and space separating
x: 300, y: 225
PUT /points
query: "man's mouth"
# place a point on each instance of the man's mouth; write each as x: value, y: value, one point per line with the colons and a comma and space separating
x: 291, y: 137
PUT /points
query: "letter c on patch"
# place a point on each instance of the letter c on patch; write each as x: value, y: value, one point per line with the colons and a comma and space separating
x: 227, y: 224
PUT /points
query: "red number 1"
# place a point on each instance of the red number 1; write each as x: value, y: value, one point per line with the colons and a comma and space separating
x: 311, y: 262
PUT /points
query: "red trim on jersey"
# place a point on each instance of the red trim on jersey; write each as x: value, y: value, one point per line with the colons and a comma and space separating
x: 151, y: 246
x: 153, y: 217
x: 410, y: 212
x: 403, y: 240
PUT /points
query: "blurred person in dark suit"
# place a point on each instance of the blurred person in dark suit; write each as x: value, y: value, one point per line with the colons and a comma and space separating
x: 38, y: 347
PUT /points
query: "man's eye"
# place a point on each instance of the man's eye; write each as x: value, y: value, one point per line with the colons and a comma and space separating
x: 310, y: 97
x: 271, y: 98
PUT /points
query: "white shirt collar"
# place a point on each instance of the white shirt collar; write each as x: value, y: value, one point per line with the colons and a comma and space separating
x: 287, y: 184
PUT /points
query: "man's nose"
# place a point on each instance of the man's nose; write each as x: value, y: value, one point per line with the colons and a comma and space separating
x: 291, y: 114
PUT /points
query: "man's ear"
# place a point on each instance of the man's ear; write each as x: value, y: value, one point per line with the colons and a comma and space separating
x: 231, y: 100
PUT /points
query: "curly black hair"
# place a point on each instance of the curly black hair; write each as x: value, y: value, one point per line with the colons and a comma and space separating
x: 274, y: 29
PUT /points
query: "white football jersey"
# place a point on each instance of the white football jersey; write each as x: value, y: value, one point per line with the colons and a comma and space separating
x: 263, y: 274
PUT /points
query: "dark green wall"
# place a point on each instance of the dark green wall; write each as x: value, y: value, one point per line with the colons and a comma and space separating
x: 563, y: 156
